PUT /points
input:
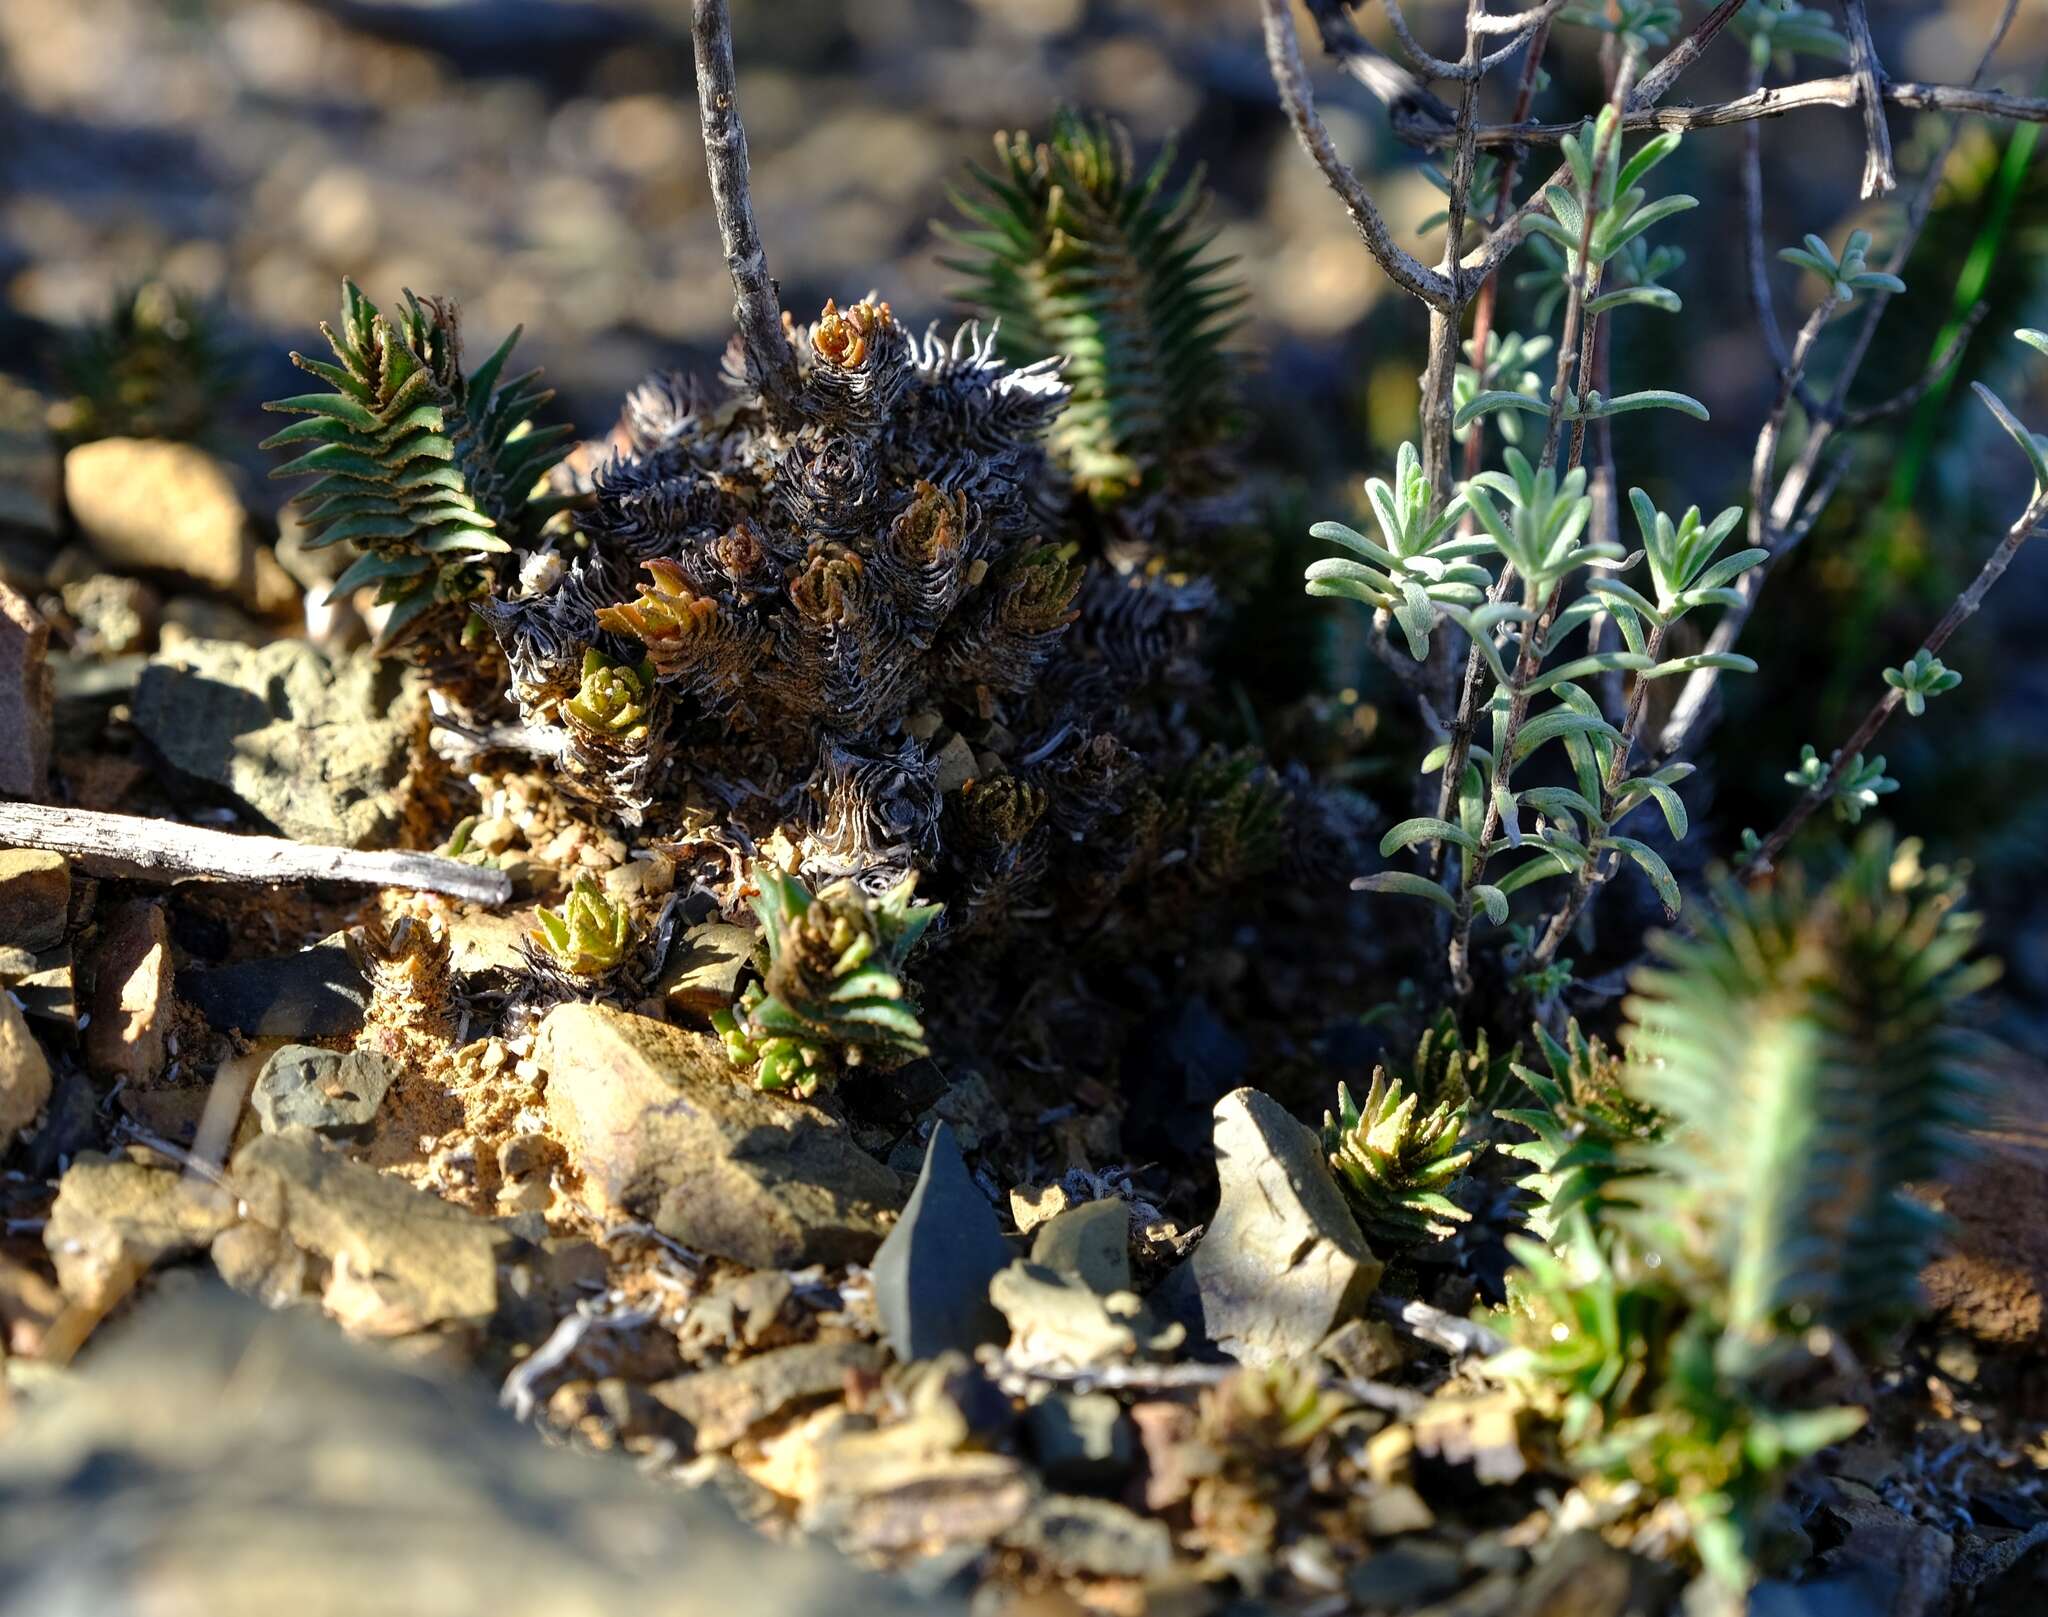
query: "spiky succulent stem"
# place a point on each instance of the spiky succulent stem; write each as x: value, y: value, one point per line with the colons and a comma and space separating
x: 429, y: 472
x: 1078, y: 252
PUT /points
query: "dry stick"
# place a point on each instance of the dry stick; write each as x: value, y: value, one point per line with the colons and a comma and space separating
x: 129, y: 845
x: 1283, y: 53
x: 1440, y: 377
x: 1771, y: 102
x: 1473, y: 66
x: 1798, y: 503
x: 1878, y: 174
x: 1383, y: 77
x: 1467, y: 716
x: 1489, y: 290
x: 757, y: 305
x: 1964, y: 607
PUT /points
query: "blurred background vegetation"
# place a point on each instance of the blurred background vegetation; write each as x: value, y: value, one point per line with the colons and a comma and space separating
x: 538, y: 160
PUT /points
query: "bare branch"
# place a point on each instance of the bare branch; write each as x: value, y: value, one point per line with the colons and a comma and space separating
x: 1878, y: 174
x: 1906, y: 398
x: 1473, y: 66
x: 1772, y: 101
x: 1653, y: 85
x: 1963, y: 608
x: 758, y: 306
x: 1283, y: 51
x: 162, y: 850
x: 1384, y: 78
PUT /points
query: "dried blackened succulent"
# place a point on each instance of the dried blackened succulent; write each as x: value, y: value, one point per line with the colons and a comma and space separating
x: 831, y: 994
x: 1076, y: 251
x: 429, y: 471
x: 1394, y: 1167
x: 153, y: 368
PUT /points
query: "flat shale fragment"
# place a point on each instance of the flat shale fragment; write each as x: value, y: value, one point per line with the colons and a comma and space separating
x: 334, y: 1093
x: 932, y: 1275
x: 660, y: 1127
x: 1283, y: 1263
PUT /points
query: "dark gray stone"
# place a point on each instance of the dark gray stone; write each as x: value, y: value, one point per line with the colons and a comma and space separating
x: 932, y: 1275
x: 1081, y: 1440
x: 1094, y: 1537
x: 332, y: 1092
x: 1092, y: 1242
x: 314, y: 994
x: 1282, y: 1264
x: 1405, y: 1575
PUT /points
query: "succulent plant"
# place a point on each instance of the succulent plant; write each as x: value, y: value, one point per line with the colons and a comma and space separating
x: 406, y: 962
x: 1264, y: 1412
x: 590, y: 936
x: 615, y: 751
x: 1446, y: 1071
x: 1077, y: 251
x: 153, y: 368
x: 1584, y: 1120
x: 831, y: 993
x: 1809, y: 1056
x: 1395, y: 1168
x: 429, y: 472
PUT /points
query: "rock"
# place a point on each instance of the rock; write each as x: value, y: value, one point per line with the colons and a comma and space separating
x: 27, y: 698
x: 1991, y: 1280
x: 971, y: 1109
x: 1081, y: 1440
x: 2019, y: 1590
x: 148, y: 506
x: 190, y: 618
x: 1058, y: 1319
x: 335, y: 1094
x: 704, y: 972
x: 401, y: 1259
x: 24, y: 1073
x: 661, y: 1128
x: 1584, y: 1576
x: 113, y: 1221
x: 1282, y: 1263
x: 1094, y: 1538
x: 719, y: 1406
x: 932, y: 1275
x: 115, y: 615
x: 1091, y: 1242
x: 318, y: 750
x: 35, y: 898
x: 317, y: 993
x: 1893, y: 1563
x: 1405, y: 1576
x: 1364, y: 1349
x: 131, y: 994
x: 208, y: 1457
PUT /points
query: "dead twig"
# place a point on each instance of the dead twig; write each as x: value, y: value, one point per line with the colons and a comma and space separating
x: 1878, y: 174
x: 758, y: 305
x: 1290, y: 77
x: 129, y: 845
